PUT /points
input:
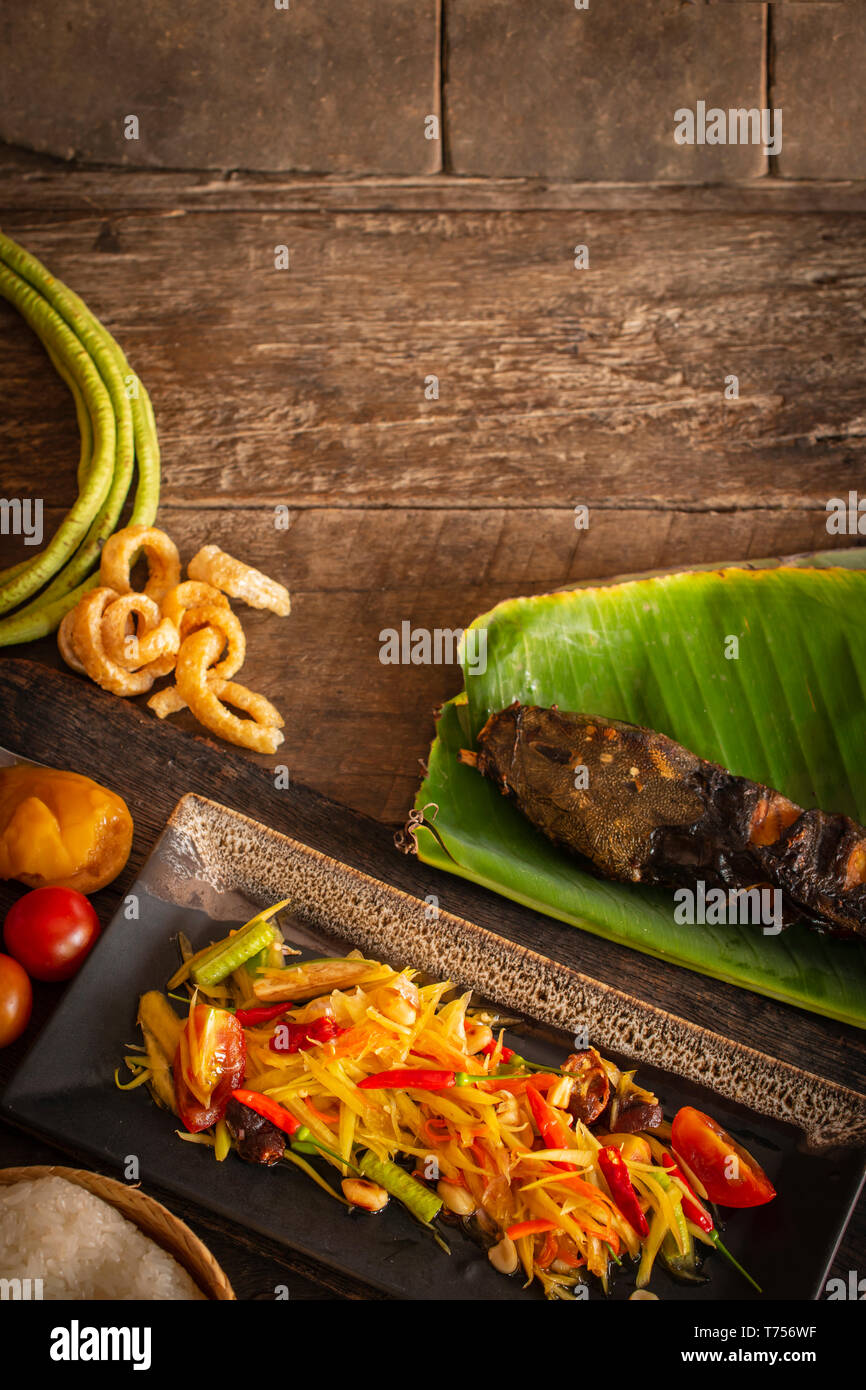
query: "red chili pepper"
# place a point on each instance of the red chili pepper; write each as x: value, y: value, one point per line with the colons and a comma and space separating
x: 529, y: 1228
x: 692, y: 1207
x: 248, y: 1018
x: 550, y: 1125
x: 297, y: 1037
x: 541, y: 1080
x: 505, y: 1054
x: 612, y: 1165
x: 407, y: 1078
x: 697, y: 1212
x: 269, y: 1110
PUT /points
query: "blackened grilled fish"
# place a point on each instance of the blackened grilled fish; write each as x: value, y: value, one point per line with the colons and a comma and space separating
x: 643, y: 809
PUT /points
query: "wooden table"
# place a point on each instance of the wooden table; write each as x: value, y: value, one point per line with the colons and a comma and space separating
x: 557, y: 386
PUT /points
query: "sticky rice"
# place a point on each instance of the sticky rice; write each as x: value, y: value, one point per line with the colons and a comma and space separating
x: 80, y: 1247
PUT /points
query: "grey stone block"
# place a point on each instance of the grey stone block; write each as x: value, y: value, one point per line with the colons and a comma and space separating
x: 335, y: 86
x: 548, y: 89
x: 818, y: 67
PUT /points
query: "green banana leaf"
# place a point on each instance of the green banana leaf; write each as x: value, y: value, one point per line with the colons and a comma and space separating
x: 787, y: 710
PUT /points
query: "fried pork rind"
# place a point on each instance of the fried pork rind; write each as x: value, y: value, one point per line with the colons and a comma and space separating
x: 124, y: 639
x: 223, y: 621
x: 156, y: 645
x: 167, y: 701
x: 66, y: 643
x: 238, y: 580
x: 170, y: 701
x: 191, y: 593
x: 120, y: 551
x: 198, y: 653
x: 87, y: 642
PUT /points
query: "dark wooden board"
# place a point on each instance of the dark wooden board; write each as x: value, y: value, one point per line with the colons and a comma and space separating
x: 558, y: 386
x: 348, y: 86
x: 357, y: 729
x: 60, y: 719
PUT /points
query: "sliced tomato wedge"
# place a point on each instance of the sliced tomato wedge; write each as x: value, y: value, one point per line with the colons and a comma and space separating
x: 731, y: 1176
x: 209, y: 1064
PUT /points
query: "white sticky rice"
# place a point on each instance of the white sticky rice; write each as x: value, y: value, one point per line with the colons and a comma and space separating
x: 80, y: 1247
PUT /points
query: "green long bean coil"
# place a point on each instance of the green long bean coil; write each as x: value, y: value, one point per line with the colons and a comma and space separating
x: 117, y: 428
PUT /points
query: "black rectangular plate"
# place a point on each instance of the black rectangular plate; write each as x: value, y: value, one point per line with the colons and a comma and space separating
x: 211, y: 869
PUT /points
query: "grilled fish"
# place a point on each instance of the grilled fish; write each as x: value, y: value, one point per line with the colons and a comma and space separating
x: 643, y: 809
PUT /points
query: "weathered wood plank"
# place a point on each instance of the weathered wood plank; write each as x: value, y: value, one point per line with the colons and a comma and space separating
x: 357, y: 729
x: 556, y: 384
x: 29, y: 182
x: 245, y: 85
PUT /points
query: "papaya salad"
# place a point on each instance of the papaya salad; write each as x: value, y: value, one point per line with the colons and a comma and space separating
x: 397, y: 1088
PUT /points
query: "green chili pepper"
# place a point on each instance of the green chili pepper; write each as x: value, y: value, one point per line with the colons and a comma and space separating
x: 419, y: 1199
x: 681, y: 1266
x: 226, y: 956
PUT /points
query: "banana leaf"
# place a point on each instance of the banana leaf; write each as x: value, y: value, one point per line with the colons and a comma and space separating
x: 787, y: 710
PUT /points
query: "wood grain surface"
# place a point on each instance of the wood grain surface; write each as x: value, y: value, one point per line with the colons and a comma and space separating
x: 557, y: 387
x: 32, y: 181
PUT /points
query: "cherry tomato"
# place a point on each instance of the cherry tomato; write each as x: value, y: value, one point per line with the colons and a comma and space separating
x: 50, y: 931
x: 16, y: 1000
x: 209, y: 1064
x: 730, y: 1175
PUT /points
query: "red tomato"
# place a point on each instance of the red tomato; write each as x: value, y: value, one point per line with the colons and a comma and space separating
x: 50, y: 931
x: 209, y: 1064
x: 16, y: 1000
x: 730, y: 1175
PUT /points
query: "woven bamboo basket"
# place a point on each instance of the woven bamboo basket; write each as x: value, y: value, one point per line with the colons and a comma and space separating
x: 151, y: 1218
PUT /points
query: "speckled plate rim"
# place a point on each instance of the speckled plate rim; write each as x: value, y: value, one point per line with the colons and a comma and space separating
x: 402, y: 929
